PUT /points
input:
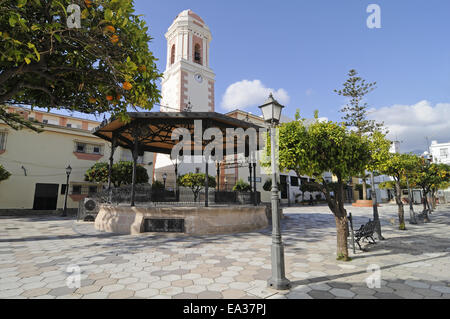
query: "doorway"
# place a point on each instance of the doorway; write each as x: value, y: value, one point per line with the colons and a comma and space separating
x: 45, y: 196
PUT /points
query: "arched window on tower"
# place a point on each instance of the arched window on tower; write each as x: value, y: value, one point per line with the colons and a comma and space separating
x: 172, y: 55
x: 197, y: 55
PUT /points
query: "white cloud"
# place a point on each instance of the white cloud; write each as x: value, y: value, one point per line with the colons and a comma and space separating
x: 244, y: 94
x: 411, y: 124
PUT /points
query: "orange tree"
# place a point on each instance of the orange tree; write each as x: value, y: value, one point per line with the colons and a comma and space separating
x: 196, y: 182
x: 105, y: 65
x: 122, y: 173
x: 322, y: 147
x: 397, y: 166
x: 430, y: 177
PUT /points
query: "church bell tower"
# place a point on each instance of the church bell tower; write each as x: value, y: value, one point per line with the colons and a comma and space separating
x: 188, y: 82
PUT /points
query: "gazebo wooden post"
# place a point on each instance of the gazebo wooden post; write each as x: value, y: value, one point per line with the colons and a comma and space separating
x: 218, y: 176
x: 135, y: 153
x: 111, y: 162
x: 251, y: 175
x: 177, y: 190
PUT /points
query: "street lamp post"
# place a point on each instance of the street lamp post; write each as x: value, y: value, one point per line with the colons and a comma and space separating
x: 271, y: 111
x: 68, y: 171
x: 164, y: 179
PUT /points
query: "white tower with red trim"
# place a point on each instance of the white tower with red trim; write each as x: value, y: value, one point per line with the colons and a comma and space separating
x: 188, y: 77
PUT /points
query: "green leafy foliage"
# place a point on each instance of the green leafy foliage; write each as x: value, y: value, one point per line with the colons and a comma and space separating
x: 356, y: 88
x: 242, y: 186
x: 4, y: 174
x: 158, y: 186
x: 16, y: 121
x: 321, y: 147
x: 104, y: 66
x: 196, y: 182
x: 268, y: 185
x: 310, y: 187
x: 397, y: 166
x: 122, y: 173
x: 430, y: 177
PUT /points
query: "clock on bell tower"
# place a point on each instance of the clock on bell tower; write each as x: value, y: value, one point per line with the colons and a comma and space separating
x: 188, y: 79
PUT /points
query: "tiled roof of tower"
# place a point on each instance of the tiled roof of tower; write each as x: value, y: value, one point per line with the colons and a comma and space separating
x: 190, y: 13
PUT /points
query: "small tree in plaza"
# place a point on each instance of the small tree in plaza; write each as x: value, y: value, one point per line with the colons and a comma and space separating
x: 325, y: 147
x: 356, y: 88
x: 429, y: 177
x: 101, y: 63
x: 196, y: 182
x: 396, y: 166
x: 4, y: 174
x: 121, y: 174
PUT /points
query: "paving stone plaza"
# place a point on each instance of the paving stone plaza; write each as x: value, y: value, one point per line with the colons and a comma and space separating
x: 38, y: 255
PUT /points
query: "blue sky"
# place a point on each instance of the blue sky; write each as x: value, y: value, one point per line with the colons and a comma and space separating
x: 306, y: 49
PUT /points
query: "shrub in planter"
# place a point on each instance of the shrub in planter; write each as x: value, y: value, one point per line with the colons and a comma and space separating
x: 242, y: 186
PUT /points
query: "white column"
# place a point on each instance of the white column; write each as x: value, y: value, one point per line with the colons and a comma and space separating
x: 204, y: 52
x: 190, y: 47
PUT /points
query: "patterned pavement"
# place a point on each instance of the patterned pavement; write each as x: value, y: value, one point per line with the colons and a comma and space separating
x: 36, y: 255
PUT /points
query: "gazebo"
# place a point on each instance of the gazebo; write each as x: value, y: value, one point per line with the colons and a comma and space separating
x: 152, y: 132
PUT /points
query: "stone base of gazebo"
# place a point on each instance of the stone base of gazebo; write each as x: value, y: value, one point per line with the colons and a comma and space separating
x: 364, y: 203
x: 189, y: 220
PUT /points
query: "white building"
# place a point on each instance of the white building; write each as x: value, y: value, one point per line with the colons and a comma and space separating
x: 440, y: 152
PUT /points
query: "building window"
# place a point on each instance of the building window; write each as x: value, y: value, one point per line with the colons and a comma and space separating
x: 45, y: 121
x: 87, y: 148
x: 3, y: 136
x: 197, y: 170
x: 69, y: 125
x: 443, y: 152
x: 63, y: 189
x: 92, y: 189
x: 172, y: 55
x: 197, y: 55
x: 81, y: 148
x: 76, y: 189
x: 294, y: 181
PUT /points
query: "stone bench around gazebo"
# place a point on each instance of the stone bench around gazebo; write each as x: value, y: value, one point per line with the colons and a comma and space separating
x: 128, y: 220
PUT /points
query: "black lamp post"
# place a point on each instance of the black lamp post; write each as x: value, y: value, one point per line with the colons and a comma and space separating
x: 271, y: 111
x: 164, y: 179
x: 68, y: 171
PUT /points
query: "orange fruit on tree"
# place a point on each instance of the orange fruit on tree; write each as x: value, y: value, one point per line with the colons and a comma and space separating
x: 127, y: 86
x: 142, y: 68
x: 109, y: 98
x: 88, y: 3
x: 92, y: 100
x: 114, y: 38
x: 110, y: 28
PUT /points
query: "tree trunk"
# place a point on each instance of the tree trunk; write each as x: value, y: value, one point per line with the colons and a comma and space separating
x: 341, y: 223
x: 426, y: 206
x: 364, y: 187
x: 401, y: 211
x: 342, y: 228
x: 433, y: 200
